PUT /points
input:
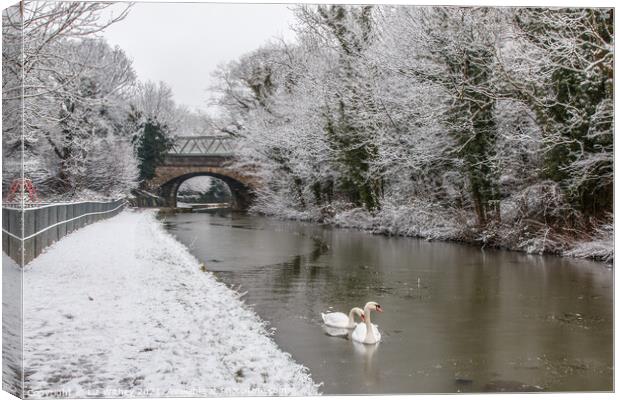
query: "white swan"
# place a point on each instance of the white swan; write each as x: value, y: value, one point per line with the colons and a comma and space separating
x: 368, y: 333
x: 341, y: 320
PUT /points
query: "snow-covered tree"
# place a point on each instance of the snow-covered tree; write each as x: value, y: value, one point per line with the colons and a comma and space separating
x: 570, y: 54
x: 12, y: 100
x: 482, y: 124
x: 151, y: 142
x: 155, y: 101
x: 74, y: 97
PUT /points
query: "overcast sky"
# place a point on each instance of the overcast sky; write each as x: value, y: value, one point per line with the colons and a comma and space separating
x: 182, y: 43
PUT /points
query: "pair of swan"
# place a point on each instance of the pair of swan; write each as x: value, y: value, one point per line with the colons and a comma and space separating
x: 365, y: 332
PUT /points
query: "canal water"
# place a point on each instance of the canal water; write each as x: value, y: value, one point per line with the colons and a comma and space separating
x: 456, y: 319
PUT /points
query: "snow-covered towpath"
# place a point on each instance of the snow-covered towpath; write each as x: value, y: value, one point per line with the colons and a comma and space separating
x: 120, y: 308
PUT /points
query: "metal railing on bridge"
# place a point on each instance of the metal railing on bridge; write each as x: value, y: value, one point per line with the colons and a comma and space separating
x: 203, y: 146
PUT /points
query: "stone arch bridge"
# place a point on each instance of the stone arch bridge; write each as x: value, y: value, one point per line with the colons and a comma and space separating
x: 193, y: 156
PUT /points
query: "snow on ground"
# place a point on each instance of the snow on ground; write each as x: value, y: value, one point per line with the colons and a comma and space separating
x: 120, y: 308
x: 11, y: 326
x: 600, y: 247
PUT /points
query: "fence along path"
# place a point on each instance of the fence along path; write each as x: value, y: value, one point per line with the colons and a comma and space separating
x: 26, y: 232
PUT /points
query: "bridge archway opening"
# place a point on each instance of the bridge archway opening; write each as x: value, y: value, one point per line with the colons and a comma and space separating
x: 239, y: 195
x: 204, y: 190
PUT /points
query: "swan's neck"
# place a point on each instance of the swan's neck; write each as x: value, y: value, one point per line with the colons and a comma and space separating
x: 370, y: 334
x: 352, y: 316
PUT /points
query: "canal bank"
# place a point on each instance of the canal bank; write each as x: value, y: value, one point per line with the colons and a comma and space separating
x: 120, y: 308
x: 426, y: 222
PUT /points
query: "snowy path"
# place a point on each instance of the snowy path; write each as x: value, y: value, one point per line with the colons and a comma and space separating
x: 120, y: 308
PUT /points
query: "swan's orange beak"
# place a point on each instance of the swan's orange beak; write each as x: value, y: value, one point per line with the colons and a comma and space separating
x: 379, y: 309
x: 363, y: 317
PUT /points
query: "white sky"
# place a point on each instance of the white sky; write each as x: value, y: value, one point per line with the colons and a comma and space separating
x: 182, y: 43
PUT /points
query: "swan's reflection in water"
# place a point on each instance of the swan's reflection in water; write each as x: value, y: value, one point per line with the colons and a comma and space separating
x: 364, y: 354
x: 337, y: 332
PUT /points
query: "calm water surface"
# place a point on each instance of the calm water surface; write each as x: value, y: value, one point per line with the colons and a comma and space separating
x: 457, y: 319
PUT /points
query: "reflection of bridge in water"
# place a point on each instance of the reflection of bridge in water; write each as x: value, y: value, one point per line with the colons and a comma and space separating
x: 193, y: 156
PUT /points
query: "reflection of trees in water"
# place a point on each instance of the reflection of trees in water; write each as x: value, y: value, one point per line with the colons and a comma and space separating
x: 319, y: 248
x: 314, y: 267
x: 491, y: 314
x: 302, y: 267
x: 474, y: 289
x: 322, y: 277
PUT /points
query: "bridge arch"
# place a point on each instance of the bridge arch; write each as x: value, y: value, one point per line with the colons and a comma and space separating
x: 240, y: 188
x: 193, y: 156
